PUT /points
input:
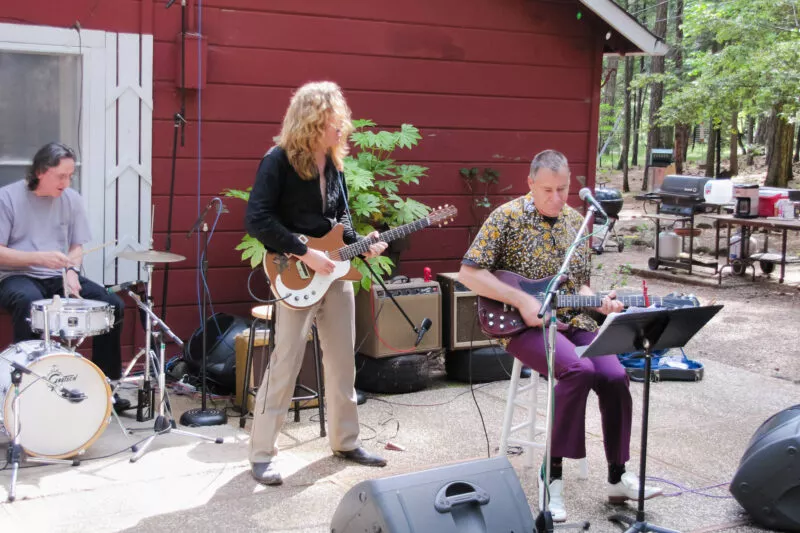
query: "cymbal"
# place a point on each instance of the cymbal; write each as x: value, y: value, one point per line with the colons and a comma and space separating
x: 151, y: 256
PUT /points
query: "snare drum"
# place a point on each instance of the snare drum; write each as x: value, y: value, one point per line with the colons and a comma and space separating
x: 52, y: 425
x: 72, y: 318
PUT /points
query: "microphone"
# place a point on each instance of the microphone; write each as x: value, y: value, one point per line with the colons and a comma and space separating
x: 123, y: 286
x: 73, y: 395
x: 202, y: 216
x: 585, y: 194
x: 423, y: 329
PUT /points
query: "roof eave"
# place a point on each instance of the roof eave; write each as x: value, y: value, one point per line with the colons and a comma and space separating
x: 623, y: 22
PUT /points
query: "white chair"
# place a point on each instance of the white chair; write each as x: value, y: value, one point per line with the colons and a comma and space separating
x: 517, y: 397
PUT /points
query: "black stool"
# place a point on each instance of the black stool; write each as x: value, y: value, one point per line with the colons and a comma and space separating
x: 263, y: 314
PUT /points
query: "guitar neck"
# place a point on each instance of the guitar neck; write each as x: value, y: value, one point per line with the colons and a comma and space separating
x: 579, y: 300
x: 346, y: 253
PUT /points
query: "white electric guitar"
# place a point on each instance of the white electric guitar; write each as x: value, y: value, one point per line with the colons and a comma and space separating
x: 299, y: 287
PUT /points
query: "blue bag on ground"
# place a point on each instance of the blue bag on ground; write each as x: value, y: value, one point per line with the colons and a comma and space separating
x: 666, y: 365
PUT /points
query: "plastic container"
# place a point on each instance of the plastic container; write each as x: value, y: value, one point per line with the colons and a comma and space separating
x: 735, y: 247
x: 718, y: 191
x: 669, y: 245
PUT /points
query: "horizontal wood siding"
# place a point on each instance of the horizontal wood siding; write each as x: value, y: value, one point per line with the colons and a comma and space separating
x: 489, y: 83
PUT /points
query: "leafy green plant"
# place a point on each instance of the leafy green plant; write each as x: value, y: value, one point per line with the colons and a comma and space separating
x: 478, y: 182
x: 373, y: 183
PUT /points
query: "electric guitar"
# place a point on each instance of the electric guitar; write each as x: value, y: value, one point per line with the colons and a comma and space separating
x: 299, y: 287
x: 498, y: 319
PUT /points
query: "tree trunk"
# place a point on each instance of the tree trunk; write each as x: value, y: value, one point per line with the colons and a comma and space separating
x: 797, y: 148
x: 780, y: 138
x: 734, y: 163
x: 681, y: 130
x: 761, y: 130
x: 610, y: 77
x: 637, y: 117
x: 751, y: 126
x: 711, y: 150
x: 626, y: 134
x: 654, y: 135
x: 681, y: 143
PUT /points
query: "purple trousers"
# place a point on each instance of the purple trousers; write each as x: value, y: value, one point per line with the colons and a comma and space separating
x: 575, y: 377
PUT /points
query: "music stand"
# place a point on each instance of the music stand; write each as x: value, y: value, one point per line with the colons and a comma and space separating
x: 647, y: 330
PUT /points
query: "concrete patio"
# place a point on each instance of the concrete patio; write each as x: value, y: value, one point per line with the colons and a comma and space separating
x: 698, y: 432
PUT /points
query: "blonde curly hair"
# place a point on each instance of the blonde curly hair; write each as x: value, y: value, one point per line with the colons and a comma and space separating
x: 312, y: 107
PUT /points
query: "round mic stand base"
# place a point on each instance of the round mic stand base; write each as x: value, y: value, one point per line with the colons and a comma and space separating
x: 203, y: 417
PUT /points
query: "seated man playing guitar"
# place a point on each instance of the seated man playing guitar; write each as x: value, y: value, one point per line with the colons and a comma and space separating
x: 299, y: 189
x: 530, y: 236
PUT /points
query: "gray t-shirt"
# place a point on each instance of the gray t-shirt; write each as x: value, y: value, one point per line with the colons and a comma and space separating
x: 31, y: 223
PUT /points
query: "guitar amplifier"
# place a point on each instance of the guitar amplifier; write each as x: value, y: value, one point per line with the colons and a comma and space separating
x: 461, y: 330
x: 375, y: 312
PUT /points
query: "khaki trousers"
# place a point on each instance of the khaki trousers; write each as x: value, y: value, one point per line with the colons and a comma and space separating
x: 335, y: 315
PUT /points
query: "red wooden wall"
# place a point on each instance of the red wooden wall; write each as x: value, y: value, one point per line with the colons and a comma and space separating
x: 489, y: 83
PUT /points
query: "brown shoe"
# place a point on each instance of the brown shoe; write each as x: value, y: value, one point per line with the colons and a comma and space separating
x: 266, y: 473
x: 361, y: 456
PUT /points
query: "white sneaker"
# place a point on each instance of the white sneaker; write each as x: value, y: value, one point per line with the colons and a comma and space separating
x: 628, y: 489
x: 556, y: 503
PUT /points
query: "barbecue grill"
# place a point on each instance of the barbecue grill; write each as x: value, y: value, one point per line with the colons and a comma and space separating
x: 681, y: 195
x: 611, y: 202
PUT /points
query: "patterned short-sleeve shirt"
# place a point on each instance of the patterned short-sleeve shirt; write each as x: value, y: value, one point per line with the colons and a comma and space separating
x: 517, y: 238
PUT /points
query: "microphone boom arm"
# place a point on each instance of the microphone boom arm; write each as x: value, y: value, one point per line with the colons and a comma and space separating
x: 155, y: 318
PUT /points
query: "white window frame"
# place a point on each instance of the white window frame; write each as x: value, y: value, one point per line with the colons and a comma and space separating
x: 116, y: 155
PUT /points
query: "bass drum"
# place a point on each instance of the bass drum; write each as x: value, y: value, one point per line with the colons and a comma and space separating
x: 54, y: 423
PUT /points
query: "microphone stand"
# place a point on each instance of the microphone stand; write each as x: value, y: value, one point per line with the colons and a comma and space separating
x: 544, y: 521
x: 204, y: 416
x: 180, y: 123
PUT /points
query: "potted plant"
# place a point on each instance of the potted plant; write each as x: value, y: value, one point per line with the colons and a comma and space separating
x: 373, y: 181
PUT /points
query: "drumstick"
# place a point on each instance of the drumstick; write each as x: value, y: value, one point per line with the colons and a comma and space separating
x: 100, y: 247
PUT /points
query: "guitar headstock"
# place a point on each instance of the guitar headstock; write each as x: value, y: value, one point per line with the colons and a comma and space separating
x: 442, y: 215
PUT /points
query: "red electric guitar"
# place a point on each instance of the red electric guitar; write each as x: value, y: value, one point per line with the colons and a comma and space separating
x: 501, y: 320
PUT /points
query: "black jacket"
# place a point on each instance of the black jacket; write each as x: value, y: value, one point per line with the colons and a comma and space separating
x: 283, y: 204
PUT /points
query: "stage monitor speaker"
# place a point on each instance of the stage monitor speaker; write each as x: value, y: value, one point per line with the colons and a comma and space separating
x: 419, y: 299
x: 476, y: 496
x: 460, y: 318
x: 767, y: 483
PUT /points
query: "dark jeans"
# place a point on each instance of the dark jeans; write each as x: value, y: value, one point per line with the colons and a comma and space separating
x: 17, y: 293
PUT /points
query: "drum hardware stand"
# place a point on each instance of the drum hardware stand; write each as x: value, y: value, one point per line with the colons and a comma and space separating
x: 14, y: 452
x: 164, y: 424
x: 146, y: 394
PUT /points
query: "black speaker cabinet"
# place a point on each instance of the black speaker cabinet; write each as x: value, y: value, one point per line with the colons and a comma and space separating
x: 460, y: 319
x: 375, y: 311
x: 767, y: 483
x: 476, y: 496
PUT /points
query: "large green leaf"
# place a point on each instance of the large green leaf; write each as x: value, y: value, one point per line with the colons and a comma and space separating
x: 408, y: 136
x: 365, y: 204
x: 236, y: 193
x: 409, y: 211
x: 410, y: 173
x: 251, y: 249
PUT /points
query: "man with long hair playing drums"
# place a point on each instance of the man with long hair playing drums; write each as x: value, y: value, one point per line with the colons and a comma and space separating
x: 41, y: 217
x: 299, y: 189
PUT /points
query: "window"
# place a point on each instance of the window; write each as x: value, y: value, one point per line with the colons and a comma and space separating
x: 40, y: 104
x: 59, y: 84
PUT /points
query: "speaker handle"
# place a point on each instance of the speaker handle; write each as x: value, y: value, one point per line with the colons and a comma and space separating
x: 459, y: 493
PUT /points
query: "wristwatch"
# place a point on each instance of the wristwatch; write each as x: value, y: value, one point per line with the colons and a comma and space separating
x: 75, y: 269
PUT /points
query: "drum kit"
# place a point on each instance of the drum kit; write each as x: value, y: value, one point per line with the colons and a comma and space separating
x: 54, y: 403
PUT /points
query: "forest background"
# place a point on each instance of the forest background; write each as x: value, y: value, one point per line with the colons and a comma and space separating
x: 726, y: 96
